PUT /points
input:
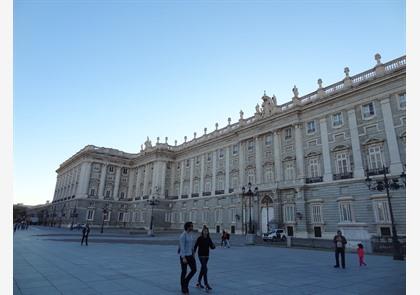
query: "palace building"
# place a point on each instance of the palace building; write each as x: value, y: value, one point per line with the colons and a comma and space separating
x: 308, y: 157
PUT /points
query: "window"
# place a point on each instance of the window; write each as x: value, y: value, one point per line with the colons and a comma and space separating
x: 218, y: 217
x: 368, y: 110
x: 310, y: 127
x: 337, y: 119
x: 92, y: 192
x: 346, y: 214
x: 122, y: 195
x: 313, y: 167
x: 232, y: 215
x: 316, y: 213
x: 375, y: 159
x: 342, y: 164
x: 221, y: 153
x: 385, y: 232
x: 289, y: 213
x: 401, y: 100
x: 250, y: 146
x: 178, y: 166
x: 288, y: 133
x: 90, y: 214
x: 206, y: 203
x: 177, y: 189
x: 268, y: 174
x: 107, y: 216
x: 197, y: 161
x: 108, y: 193
x: 268, y: 139
x: 289, y: 171
x: 317, y: 232
x: 125, y: 170
x: 111, y: 169
x: 235, y: 149
x: 209, y: 157
x: 121, y: 217
x: 205, y: 216
x: 188, y: 163
x: 382, y: 211
x: 220, y: 182
x: 207, y: 186
x: 196, y: 187
x: 182, y: 217
x: 251, y: 176
x: 193, y: 215
x: 234, y: 181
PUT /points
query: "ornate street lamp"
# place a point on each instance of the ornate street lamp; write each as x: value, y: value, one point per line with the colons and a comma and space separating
x: 387, y: 185
x: 154, y: 201
x: 104, y: 211
x: 250, y: 236
x: 73, y: 215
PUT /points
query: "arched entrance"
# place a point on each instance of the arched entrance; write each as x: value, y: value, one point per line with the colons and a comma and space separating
x: 267, y: 214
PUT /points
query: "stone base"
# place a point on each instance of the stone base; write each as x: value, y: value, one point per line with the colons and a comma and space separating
x: 250, y: 239
x: 356, y: 233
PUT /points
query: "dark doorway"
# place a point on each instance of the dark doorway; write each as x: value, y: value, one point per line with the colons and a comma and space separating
x: 232, y: 229
x: 317, y: 231
x: 290, y: 231
x: 217, y: 228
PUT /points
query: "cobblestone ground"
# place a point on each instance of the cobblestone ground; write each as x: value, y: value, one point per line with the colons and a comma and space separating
x: 51, y: 261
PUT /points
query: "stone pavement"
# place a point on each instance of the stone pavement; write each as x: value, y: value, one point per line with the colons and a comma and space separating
x: 44, y: 264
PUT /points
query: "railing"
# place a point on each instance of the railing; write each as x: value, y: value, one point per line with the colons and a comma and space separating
x: 395, y: 64
x: 219, y: 192
x: 207, y: 194
x: 314, y: 179
x: 378, y: 171
x: 137, y: 198
x: 172, y: 197
x: 346, y: 175
x: 231, y: 190
x: 184, y: 196
x: 195, y: 195
x: 146, y: 197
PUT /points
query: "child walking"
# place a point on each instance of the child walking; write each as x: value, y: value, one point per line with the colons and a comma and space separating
x: 361, y: 254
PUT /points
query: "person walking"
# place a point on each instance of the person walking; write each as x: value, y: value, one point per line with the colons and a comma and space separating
x: 204, y: 244
x: 223, y: 242
x: 340, y: 244
x: 227, y: 237
x: 186, y: 256
x: 85, y: 235
x: 361, y: 254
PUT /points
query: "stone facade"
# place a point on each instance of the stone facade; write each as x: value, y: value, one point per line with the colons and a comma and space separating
x: 309, y: 158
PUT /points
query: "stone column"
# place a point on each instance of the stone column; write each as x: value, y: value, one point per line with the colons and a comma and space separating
x: 391, y: 138
x: 299, y: 152
x: 117, y: 183
x: 258, y: 164
x: 181, y: 181
x: 163, y: 178
x: 146, y: 180
x: 131, y: 180
x: 192, y: 165
x: 325, y: 150
x: 213, y: 184
x: 202, y: 174
x: 277, y: 155
x: 138, y: 180
x: 155, y: 174
x: 358, y: 170
x: 84, y: 180
x: 241, y: 164
x: 102, y: 181
x: 173, y: 171
x: 227, y: 170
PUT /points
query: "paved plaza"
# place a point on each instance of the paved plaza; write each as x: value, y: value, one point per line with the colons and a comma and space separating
x: 51, y: 261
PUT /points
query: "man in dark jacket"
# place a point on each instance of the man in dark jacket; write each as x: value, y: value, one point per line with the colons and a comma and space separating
x: 340, y: 244
x: 85, y: 234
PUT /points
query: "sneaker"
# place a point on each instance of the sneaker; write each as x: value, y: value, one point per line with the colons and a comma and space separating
x: 336, y: 266
x: 198, y: 285
x: 208, y: 287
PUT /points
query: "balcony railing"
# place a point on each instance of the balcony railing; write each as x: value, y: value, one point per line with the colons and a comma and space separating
x: 172, y: 197
x: 345, y: 175
x: 219, y: 192
x: 146, y: 197
x: 195, y: 195
x: 137, y: 198
x: 184, y: 196
x: 378, y: 171
x: 206, y: 193
x: 231, y: 190
x: 314, y: 179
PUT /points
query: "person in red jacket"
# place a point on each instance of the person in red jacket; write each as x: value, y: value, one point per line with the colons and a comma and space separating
x: 361, y: 254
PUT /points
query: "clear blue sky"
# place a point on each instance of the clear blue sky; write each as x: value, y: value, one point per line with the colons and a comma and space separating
x: 111, y: 73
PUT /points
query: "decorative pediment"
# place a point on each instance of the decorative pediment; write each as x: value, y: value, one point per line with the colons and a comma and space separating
x: 268, y: 163
x: 340, y: 147
x: 313, y: 154
x: 373, y: 140
x: 289, y: 158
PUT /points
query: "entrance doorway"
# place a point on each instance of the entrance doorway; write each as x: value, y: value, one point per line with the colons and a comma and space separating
x: 290, y: 231
x: 267, y: 214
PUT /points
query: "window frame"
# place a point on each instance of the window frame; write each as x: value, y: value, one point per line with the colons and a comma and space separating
x: 310, y: 131
x: 363, y: 111
x: 333, y: 120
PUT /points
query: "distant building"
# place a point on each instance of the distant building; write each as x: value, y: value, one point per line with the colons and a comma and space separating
x: 309, y: 158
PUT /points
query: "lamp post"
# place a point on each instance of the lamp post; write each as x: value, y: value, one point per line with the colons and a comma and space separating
x: 387, y: 185
x: 250, y: 236
x: 104, y: 211
x: 53, y: 218
x: 62, y: 215
x: 266, y: 206
x: 154, y: 201
x: 73, y: 215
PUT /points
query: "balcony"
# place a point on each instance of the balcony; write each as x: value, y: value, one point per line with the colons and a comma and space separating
x: 146, y: 197
x: 313, y: 179
x: 378, y: 171
x: 184, y: 196
x: 345, y: 175
x: 195, y: 195
x: 137, y: 198
x: 231, y: 190
x: 219, y: 192
x: 206, y: 193
x: 172, y: 197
